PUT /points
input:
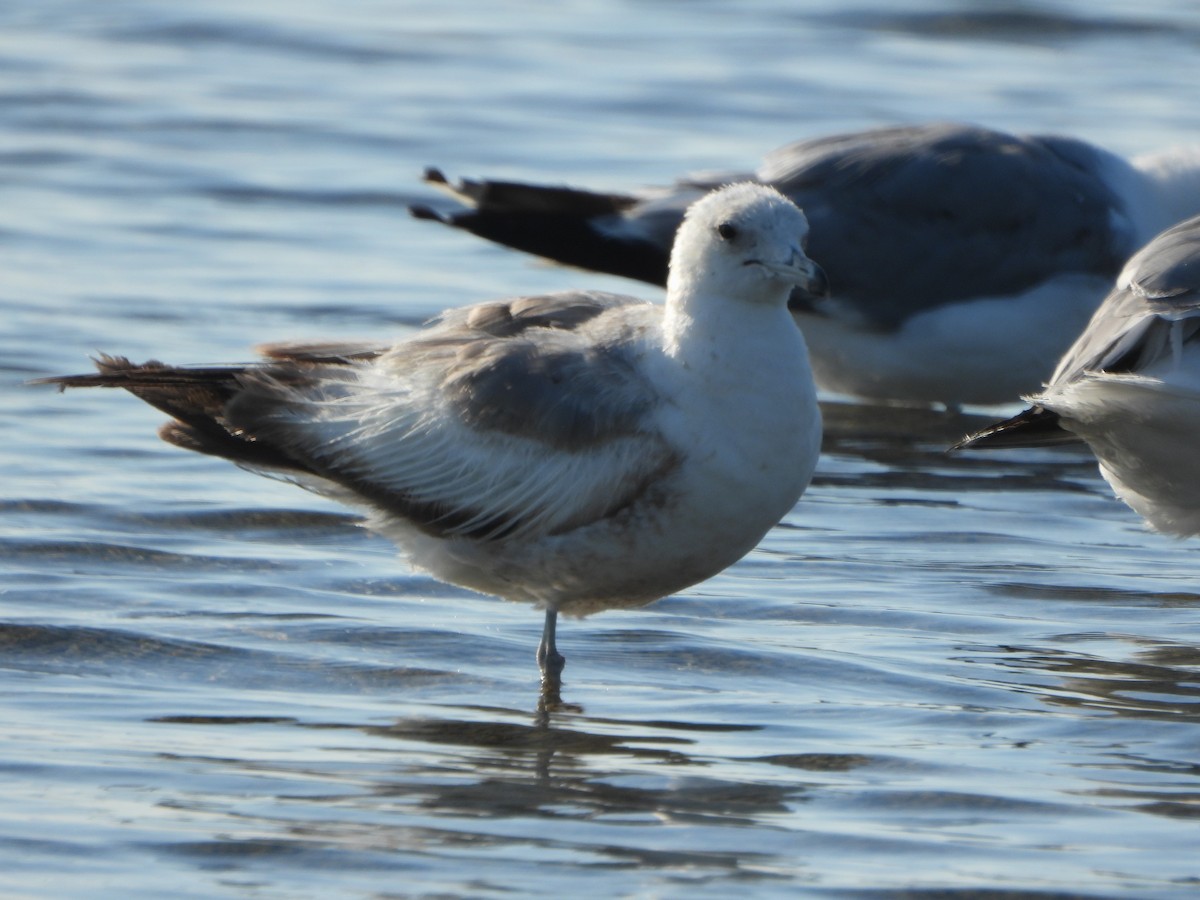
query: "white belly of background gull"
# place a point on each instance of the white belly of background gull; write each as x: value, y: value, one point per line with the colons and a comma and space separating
x: 579, y: 451
x: 1130, y: 387
x: 962, y: 261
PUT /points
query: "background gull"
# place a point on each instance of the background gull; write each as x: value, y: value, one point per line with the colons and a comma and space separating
x: 579, y: 451
x: 1130, y: 386
x: 962, y: 261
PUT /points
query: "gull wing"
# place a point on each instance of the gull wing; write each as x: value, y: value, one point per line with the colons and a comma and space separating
x: 523, y: 417
x: 910, y: 218
x: 1150, y: 314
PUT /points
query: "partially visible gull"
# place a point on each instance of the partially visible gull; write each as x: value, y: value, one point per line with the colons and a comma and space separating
x: 579, y: 451
x: 962, y: 261
x: 1130, y: 387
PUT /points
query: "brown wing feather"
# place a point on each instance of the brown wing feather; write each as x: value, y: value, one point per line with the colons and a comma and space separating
x: 327, y: 353
x: 195, y: 398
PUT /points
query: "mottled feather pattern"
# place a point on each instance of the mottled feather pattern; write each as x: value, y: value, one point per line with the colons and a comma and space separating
x: 414, y: 430
x: 563, y: 311
x: 356, y: 423
x: 559, y: 403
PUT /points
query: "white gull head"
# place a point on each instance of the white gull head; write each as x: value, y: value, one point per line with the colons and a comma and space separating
x: 739, y: 230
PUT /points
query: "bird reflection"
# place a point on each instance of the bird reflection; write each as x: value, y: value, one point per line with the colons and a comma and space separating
x: 1157, y: 681
x: 563, y: 765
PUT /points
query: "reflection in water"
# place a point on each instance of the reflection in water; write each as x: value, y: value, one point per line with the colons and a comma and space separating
x: 492, y: 785
x: 945, y: 676
x: 911, y: 447
x: 553, y: 771
x: 821, y: 727
x: 1132, y: 677
x: 1018, y: 23
x: 481, y: 778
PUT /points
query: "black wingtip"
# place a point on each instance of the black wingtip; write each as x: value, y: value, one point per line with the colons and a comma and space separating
x: 59, y: 381
x: 428, y: 213
x: 431, y: 175
x: 434, y: 175
x: 1034, y: 427
x: 110, y: 367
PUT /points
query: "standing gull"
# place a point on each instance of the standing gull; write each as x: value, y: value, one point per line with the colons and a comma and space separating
x: 1130, y: 387
x: 962, y: 261
x: 579, y: 451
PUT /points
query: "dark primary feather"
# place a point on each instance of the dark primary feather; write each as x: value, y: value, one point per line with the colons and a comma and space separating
x: 197, y: 399
x: 555, y: 222
x: 1034, y: 427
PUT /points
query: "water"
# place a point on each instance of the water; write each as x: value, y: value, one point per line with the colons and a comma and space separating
x: 941, y: 676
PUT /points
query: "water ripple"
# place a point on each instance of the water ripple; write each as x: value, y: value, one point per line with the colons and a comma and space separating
x: 943, y: 676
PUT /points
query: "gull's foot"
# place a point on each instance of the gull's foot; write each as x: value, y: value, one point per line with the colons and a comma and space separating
x: 549, y: 705
x: 551, y: 662
x: 550, y: 699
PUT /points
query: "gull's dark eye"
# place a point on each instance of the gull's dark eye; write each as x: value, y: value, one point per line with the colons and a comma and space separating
x: 726, y: 231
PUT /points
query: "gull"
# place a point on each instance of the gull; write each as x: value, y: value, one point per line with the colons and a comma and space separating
x: 1130, y: 387
x: 578, y: 451
x: 962, y: 261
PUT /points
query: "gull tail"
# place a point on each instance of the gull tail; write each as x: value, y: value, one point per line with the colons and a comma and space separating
x: 1035, y: 427
x: 196, y: 398
x: 569, y: 226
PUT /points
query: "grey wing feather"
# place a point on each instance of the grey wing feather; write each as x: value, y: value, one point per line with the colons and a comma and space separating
x: 553, y: 368
x: 567, y: 397
x: 1152, y: 308
x: 564, y: 311
x: 465, y: 432
x: 947, y: 212
x: 1167, y: 271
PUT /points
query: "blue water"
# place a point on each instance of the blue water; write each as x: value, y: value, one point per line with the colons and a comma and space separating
x: 940, y: 676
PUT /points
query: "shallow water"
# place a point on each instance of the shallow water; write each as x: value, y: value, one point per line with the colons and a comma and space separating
x: 940, y: 676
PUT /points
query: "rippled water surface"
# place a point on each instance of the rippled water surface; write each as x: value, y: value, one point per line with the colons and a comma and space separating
x: 940, y: 676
